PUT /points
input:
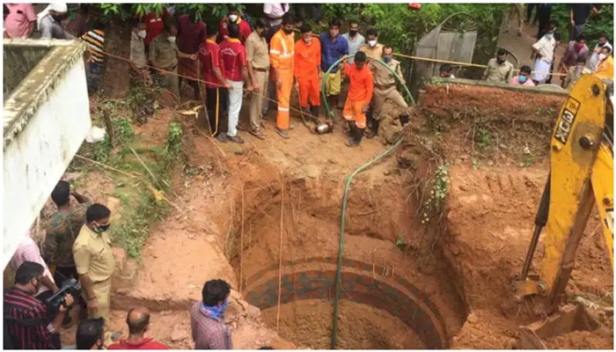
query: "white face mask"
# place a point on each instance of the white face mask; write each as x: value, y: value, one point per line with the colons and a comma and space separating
x: 171, y: 39
x: 307, y: 40
x: 602, y: 56
x: 372, y: 43
x: 142, y: 33
x: 233, y: 18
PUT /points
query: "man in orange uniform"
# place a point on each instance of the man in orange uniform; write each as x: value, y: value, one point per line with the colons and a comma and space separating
x: 308, y: 71
x: 361, y: 86
x: 282, y: 51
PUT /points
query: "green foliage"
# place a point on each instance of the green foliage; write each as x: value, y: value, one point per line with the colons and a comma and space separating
x: 341, y: 11
x: 202, y: 11
x: 601, y: 22
x: 124, y: 130
x: 401, y: 27
x: 482, y: 135
x: 173, y: 146
x: 438, y: 194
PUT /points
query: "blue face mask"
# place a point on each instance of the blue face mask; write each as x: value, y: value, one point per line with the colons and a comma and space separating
x: 387, y: 59
x: 522, y: 79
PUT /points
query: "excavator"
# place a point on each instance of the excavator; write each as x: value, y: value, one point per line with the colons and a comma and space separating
x: 581, y: 176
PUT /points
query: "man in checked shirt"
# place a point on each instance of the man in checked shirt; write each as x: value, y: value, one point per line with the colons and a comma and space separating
x: 207, y: 321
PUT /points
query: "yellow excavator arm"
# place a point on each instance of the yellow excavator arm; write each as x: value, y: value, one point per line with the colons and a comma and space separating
x: 581, y: 175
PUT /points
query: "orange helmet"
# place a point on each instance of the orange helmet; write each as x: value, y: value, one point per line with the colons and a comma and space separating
x: 415, y: 6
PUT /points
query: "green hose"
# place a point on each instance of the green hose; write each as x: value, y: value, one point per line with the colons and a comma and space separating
x: 335, y: 64
x: 345, y: 198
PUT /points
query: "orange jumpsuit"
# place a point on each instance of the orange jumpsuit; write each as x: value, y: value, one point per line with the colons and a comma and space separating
x: 307, y: 62
x: 361, y: 86
x: 282, y: 53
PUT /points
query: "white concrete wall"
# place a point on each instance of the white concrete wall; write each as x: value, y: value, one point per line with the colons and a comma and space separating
x: 36, y: 160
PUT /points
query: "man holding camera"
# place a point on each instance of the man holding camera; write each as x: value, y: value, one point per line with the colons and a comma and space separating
x: 26, y: 322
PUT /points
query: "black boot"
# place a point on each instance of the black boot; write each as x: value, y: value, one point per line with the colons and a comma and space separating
x: 357, y: 136
x: 352, y: 129
x: 315, y: 113
x: 374, y: 130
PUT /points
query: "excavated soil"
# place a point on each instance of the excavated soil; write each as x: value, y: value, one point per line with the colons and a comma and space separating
x: 265, y: 216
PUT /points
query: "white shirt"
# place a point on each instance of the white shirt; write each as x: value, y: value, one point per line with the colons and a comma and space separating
x: 545, y: 47
x: 28, y: 251
x: 275, y: 10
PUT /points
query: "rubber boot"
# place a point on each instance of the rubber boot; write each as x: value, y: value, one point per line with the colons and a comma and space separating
x: 352, y: 128
x: 315, y: 113
x: 374, y: 130
x: 356, y: 140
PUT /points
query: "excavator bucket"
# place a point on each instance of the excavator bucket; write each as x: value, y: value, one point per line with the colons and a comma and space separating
x: 572, y: 317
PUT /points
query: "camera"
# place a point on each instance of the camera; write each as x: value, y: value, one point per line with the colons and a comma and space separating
x: 69, y: 287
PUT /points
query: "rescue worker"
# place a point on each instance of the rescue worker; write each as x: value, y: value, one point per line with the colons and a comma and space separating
x: 361, y: 86
x: 282, y: 52
x: 499, y: 70
x: 308, y: 72
x: 216, y: 86
x: 258, y: 59
x: 385, y: 88
x: 163, y: 54
x: 95, y: 263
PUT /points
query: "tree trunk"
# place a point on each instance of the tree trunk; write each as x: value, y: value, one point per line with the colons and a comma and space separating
x: 116, y: 78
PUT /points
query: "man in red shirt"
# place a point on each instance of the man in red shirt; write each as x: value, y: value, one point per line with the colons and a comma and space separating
x: 138, y: 321
x: 216, y: 87
x: 191, y: 33
x: 234, y: 17
x: 235, y: 71
x: 154, y: 26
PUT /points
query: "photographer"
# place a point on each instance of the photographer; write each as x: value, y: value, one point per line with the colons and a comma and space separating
x: 26, y: 325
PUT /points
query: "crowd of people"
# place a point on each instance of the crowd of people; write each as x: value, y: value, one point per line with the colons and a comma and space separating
x: 76, y: 246
x: 577, y: 60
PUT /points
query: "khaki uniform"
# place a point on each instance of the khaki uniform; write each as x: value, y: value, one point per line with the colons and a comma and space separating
x: 498, y: 73
x: 164, y: 53
x: 257, y: 55
x: 372, y: 53
x: 93, y: 257
x: 385, y: 88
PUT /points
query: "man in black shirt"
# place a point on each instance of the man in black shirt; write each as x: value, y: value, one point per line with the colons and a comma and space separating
x: 26, y: 325
x: 579, y: 16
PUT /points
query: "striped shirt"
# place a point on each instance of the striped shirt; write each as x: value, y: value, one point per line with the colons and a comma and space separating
x: 95, y: 39
x: 25, y: 308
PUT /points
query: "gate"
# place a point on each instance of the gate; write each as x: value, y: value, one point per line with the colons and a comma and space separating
x: 452, y: 40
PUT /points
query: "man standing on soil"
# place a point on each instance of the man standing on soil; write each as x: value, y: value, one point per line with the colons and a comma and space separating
x: 257, y: 55
x: 543, y: 55
x: 164, y: 55
x: 385, y: 88
x: 216, y: 86
x: 361, y: 86
x: 372, y: 48
x: 355, y: 41
x: 207, y: 322
x: 282, y: 50
x: 499, y: 70
x: 138, y: 58
x: 95, y: 263
x: 62, y: 230
x: 191, y: 33
x: 138, y: 321
x: 578, y: 17
x: 333, y: 48
x: 233, y: 56
x: 308, y: 72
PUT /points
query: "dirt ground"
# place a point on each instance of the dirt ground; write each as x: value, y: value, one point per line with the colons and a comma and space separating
x: 230, y: 228
x: 267, y: 210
